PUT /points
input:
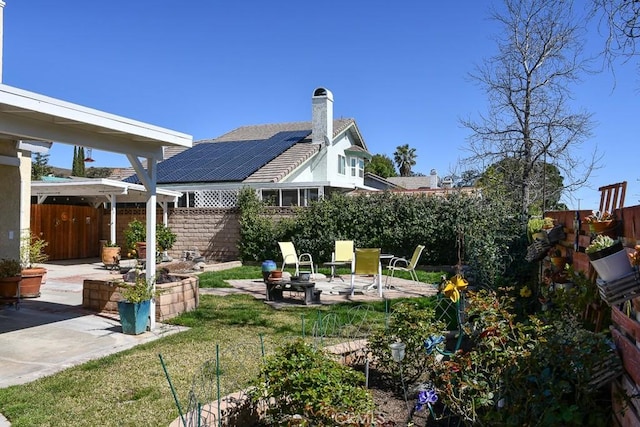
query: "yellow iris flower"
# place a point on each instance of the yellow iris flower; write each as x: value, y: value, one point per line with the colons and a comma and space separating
x: 453, y: 287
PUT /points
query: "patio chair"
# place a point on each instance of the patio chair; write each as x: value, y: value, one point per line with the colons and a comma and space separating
x: 342, y: 255
x: 366, y: 261
x: 402, y: 264
x: 290, y: 257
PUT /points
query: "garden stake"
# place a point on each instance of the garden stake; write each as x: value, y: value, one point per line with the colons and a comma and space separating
x: 366, y: 374
x: 218, y: 381
x: 175, y: 397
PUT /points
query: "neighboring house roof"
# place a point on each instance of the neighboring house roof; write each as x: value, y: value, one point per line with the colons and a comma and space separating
x: 376, y: 181
x: 414, y: 182
x: 258, y: 153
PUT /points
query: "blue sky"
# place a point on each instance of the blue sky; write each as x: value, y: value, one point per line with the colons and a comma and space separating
x: 205, y: 67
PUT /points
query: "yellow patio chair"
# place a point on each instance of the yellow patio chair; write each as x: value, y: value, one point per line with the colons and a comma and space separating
x: 366, y: 261
x: 402, y: 264
x: 341, y: 255
x: 290, y: 257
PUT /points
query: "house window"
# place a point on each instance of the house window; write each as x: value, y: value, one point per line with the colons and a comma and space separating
x: 354, y: 166
x: 309, y: 195
x: 361, y: 168
x: 271, y: 197
x: 342, y: 165
x: 290, y: 198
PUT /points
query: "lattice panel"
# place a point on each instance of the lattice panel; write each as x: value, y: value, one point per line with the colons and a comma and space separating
x: 215, y: 198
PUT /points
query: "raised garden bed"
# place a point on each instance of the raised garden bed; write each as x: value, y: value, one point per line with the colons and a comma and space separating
x: 177, y: 296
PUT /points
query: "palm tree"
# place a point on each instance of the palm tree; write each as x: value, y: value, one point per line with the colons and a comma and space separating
x: 405, y: 158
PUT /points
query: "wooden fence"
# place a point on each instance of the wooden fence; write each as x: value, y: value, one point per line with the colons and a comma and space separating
x: 72, y: 231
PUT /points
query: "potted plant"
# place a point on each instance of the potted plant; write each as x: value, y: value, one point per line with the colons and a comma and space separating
x: 165, y: 239
x: 134, y: 308
x: 110, y: 254
x: 135, y: 237
x: 31, y: 253
x: 600, y: 222
x: 557, y: 259
x: 608, y: 257
x: 10, y: 277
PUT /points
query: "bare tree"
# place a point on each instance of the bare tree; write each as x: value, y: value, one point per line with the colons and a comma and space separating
x: 527, y: 84
x: 620, y: 20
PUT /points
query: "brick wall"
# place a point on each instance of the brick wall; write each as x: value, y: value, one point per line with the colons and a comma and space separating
x: 214, y: 232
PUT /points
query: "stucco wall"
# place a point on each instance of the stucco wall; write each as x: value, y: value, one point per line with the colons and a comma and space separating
x: 10, y: 206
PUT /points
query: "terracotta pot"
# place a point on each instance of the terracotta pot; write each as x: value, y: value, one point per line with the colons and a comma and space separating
x: 559, y: 262
x: 141, y: 249
x: 31, y: 282
x: 9, y: 286
x: 276, y: 274
x: 110, y: 255
x: 603, y: 227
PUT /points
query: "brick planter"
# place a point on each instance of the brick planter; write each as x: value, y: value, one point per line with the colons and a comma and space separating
x: 175, y: 297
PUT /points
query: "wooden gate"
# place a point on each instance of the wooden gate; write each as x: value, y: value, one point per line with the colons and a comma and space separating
x: 73, y: 232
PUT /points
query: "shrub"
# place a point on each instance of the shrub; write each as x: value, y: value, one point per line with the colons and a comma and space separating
x: 136, y: 231
x: 455, y: 228
x: 301, y: 380
x: 410, y: 322
x: 516, y: 372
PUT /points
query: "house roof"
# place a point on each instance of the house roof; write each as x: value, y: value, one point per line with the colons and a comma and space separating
x: 257, y: 153
x: 413, y: 182
x: 225, y: 161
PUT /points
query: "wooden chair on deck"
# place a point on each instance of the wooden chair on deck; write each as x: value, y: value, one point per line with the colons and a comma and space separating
x: 612, y: 196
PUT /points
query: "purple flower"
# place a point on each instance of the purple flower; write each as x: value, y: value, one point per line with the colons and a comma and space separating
x: 426, y: 397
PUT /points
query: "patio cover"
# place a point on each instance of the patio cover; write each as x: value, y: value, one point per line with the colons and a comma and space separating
x: 101, y: 190
x: 33, y: 117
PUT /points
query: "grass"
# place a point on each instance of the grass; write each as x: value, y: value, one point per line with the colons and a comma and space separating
x: 130, y: 388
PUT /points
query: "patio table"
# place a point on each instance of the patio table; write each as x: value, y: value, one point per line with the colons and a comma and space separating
x: 275, y: 289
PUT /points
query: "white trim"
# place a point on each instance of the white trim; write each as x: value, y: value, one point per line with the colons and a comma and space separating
x: 74, y: 114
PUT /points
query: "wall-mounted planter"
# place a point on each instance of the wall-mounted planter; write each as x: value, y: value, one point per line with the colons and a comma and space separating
x: 611, y: 263
x: 620, y: 290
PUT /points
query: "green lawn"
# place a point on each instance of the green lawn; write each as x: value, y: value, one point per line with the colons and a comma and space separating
x: 130, y: 388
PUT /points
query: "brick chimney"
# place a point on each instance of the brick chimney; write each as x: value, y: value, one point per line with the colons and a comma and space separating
x: 321, y: 116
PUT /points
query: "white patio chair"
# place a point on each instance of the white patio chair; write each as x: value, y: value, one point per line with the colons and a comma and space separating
x: 290, y: 257
x: 402, y: 264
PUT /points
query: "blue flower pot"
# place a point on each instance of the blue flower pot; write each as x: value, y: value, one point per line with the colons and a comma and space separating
x: 267, y: 267
x: 134, y: 317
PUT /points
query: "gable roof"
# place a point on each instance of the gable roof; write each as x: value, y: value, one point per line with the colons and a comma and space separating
x: 257, y: 153
x: 226, y: 161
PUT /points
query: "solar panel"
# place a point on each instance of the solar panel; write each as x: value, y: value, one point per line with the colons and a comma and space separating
x: 224, y: 161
